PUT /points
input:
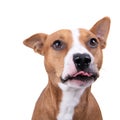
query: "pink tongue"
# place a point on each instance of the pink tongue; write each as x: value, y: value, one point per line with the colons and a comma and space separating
x: 82, y: 73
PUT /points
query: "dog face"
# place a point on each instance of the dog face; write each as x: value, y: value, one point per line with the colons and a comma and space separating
x: 72, y: 57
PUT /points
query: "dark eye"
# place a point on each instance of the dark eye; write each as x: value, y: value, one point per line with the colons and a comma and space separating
x: 93, y: 43
x: 58, y: 45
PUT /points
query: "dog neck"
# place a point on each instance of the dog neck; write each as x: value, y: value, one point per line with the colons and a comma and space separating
x: 70, y: 99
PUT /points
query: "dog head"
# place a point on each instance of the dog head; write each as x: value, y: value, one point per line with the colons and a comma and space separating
x: 72, y: 57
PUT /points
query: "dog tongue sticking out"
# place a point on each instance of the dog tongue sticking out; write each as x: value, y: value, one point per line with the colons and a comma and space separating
x: 80, y: 78
x: 82, y: 73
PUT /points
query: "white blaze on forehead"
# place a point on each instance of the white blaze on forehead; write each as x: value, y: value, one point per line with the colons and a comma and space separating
x: 77, y: 47
x: 75, y: 35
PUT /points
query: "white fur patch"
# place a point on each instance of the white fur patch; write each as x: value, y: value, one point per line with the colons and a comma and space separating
x: 70, y: 99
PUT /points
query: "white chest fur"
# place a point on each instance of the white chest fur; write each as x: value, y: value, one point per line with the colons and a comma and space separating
x: 70, y: 99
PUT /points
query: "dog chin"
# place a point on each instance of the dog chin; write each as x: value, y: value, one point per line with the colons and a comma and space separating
x: 78, y: 83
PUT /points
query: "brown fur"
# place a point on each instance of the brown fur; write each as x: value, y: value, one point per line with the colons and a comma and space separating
x: 47, y: 106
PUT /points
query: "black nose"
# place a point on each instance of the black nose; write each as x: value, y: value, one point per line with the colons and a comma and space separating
x: 81, y: 61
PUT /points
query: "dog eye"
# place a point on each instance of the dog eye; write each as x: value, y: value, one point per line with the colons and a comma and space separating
x: 58, y: 45
x: 93, y: 43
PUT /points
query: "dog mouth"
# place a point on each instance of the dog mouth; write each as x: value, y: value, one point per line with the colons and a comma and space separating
x: 81, y: 77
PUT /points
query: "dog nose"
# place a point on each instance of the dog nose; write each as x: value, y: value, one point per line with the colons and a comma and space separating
x: 81, y: 61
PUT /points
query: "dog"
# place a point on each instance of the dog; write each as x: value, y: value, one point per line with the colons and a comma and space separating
x: 72, y: 61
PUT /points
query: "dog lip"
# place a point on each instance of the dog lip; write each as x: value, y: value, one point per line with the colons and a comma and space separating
x: 82, y: 76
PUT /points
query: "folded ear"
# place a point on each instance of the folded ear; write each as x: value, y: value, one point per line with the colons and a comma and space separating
x: 101, y: 30
x: 36, y: 42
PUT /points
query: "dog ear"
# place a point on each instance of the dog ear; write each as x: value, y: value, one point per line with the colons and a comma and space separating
x: 36, y: 42
x: 101, y: 30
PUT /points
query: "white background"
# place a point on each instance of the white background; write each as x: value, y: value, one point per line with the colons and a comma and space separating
x: 22, y: 74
